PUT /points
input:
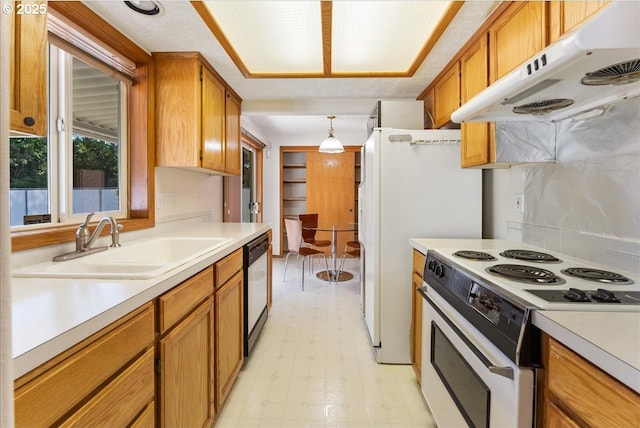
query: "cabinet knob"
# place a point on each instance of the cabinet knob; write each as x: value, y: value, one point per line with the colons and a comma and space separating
x: 29, y: 121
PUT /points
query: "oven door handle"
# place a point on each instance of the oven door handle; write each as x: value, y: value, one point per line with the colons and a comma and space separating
x: 500, y: 371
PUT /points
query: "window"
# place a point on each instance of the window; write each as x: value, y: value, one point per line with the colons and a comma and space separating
x: 78, y: 30
x: 81, y: 166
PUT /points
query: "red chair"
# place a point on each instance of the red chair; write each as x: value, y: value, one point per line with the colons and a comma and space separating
x: 294, y: 244
x: 308, y: 235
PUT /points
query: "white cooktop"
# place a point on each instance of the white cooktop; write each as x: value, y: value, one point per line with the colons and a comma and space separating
x: 519, y: 289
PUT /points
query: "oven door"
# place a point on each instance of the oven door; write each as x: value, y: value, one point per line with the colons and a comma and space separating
x: 465, y: 379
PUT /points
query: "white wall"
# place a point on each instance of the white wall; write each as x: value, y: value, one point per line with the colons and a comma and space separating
x: 183, y: 194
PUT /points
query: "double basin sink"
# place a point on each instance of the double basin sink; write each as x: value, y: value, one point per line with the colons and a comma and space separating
x: 144, y: 259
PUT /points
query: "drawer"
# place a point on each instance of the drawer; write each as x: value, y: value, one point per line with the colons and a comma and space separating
x: 228, y: 266
x: 178, y: 302
x: 418, y: 262
x: 584, y: 390
x: 120, y: 402
x: 147, y: 418
x: 70, y: 378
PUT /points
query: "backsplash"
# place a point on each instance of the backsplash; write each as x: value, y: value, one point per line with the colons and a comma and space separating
x: 587, y: 204
x: 182, y: 194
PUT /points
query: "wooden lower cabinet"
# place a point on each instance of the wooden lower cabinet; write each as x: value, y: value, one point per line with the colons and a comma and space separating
x: 170, y: 363
x: 120, y: 401
x: 186, y: 371
x: 80, y: 386
x: 229, y: 352
x: 416, y: 313
x: 577, y: 393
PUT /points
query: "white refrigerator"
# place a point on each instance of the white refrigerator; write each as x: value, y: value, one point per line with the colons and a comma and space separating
x: 412, y: 186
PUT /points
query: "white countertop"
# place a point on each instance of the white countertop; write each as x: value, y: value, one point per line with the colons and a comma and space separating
x: 609, y: 340
x: 51, y: 315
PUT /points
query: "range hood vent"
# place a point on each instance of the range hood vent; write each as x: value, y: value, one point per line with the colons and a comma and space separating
x: 543, y: 107
x: 597, y: 64
x: 617, y: 74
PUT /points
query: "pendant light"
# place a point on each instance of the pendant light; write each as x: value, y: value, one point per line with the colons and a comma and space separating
x: 331, y: 144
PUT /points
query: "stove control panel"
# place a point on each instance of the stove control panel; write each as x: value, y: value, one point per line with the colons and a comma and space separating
x: 486, y: 302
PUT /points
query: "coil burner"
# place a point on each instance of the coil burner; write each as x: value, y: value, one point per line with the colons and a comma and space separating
x: 530, y: 256
x: 474, y: 255
x: 526, y: 274
x: 597, y: 275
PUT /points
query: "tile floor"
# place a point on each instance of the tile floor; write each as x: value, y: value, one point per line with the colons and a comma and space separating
x: 313, y: 365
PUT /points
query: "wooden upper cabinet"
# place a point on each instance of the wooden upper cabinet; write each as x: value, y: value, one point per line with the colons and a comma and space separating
x: 232, y: 136
x: 447, y: 95
x: 565, y: 16
x: 519, y: 33
x: 28, y: 70
x: 213, y: 122
x: 197, y: 124
x: 476, y: 148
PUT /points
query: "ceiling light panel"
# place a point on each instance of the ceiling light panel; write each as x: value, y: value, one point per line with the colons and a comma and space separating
x: 381, y: 36
x: 272, y: 36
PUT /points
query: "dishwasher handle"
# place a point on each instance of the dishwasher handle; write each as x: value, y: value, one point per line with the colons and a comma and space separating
x: 256, y: 248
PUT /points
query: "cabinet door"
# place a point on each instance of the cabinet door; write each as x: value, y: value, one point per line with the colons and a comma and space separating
x: 28, y: 69
x: 447, y: 95
x: 564, y: 16
x: 186, y: 371
x: 229, y: 352
x: 416, y: 325
x: 556, y: 418
x: 474, y: 65
x: 232, y: 135
x: 213, y: 122
x: 584, y: 389
x: 331, y: 193
x: 178, y: 111
x: 519, y: 33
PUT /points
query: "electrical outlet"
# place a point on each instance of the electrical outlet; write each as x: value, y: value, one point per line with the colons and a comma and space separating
x: 162, y: 201
x: 174, y: 199
x: 518, y: 202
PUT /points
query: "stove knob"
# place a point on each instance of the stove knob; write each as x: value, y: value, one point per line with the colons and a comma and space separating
x: 432, y: 265
x: 439, y: 271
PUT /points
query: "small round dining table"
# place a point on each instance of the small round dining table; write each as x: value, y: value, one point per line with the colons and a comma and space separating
x: 333, y: 275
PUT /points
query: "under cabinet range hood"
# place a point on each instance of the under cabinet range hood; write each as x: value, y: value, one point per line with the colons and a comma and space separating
x: 596, y: 65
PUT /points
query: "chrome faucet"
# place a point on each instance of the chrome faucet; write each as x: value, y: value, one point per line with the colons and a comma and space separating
x: 85, y: 239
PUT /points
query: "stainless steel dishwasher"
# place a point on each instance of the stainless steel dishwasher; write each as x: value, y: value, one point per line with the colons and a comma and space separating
x: 256, y: 283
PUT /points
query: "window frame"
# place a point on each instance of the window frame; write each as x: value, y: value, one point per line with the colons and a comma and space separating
x: 140, y: 126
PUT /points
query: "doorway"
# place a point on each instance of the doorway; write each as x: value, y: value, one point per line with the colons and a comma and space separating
x: 243, y: 193
x: 250, y: 207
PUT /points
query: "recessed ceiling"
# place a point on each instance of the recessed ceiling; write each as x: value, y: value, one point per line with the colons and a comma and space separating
x: 325, y: 38
x: 289, y: 108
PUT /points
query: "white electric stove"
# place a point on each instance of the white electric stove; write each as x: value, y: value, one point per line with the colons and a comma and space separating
x: 549, y: 280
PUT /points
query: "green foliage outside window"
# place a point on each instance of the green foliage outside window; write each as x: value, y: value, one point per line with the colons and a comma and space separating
x: 28, y: 163
x: 28, y: 160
